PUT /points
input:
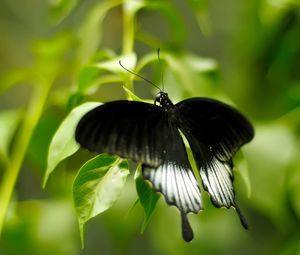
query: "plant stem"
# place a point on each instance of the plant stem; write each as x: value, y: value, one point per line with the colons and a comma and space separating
x: 128, y: 30
x: 128, y: 40
x: 32, y: 116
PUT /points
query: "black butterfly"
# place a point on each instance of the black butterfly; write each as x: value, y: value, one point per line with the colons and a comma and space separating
x: 150, y: 134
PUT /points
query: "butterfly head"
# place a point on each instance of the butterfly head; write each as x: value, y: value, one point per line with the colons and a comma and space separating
x: 162, y: 99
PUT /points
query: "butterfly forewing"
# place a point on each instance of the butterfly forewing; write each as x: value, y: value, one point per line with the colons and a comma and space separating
x: 129, y: 129
x: 217, y: 125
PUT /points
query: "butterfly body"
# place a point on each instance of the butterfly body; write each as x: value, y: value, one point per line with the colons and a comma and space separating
x: 150, y: 134
x: 163, y: 100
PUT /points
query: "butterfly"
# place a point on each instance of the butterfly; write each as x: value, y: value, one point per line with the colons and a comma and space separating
x: 152, y: 135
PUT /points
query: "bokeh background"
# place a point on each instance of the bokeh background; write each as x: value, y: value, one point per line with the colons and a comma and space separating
x: 246, y: 53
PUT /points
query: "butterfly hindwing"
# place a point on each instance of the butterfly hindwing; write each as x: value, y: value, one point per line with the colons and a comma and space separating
x: 175, y: 179
x: 217, y: 179
x: 130, y: 129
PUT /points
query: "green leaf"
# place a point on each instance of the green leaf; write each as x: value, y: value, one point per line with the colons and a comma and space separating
x: 112, y: 65
x: 8, y: 123
x: 148, y: 198
x: 134, y: 97
x: 86, y: 76
x: 63, y: 143
x: 131, y: 95
x: 146, y: 60
x: 89, y: 73
x: 97, y: 186
x: 106, y: 71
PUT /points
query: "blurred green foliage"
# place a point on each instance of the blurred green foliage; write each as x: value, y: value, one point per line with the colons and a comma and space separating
x: 58, y: 54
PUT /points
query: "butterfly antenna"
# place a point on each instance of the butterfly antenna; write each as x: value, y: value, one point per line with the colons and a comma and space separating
x: 129, y: 71
x: 161, y: 71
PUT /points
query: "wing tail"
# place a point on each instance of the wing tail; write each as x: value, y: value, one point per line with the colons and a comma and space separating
x: 187, y: 231
x: 242, y: 217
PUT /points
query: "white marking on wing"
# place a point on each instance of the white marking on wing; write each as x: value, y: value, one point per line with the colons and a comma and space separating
x: 177, y: 184
x: 216, y: 178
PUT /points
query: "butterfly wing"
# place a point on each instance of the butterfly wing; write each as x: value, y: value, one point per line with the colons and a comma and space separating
x: 175, y: 179
x: 134, y: 130
x: 217, y: 125
x: 215, y: 132
x: 217, y: 179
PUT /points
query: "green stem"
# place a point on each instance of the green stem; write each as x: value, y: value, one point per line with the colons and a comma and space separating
x: 33, y: 114
x: 128, y: 31
x: 128, y: 41
x: 128, y: 83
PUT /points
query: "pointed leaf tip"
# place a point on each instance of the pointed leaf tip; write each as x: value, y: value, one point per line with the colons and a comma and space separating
x: 63, y: 143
